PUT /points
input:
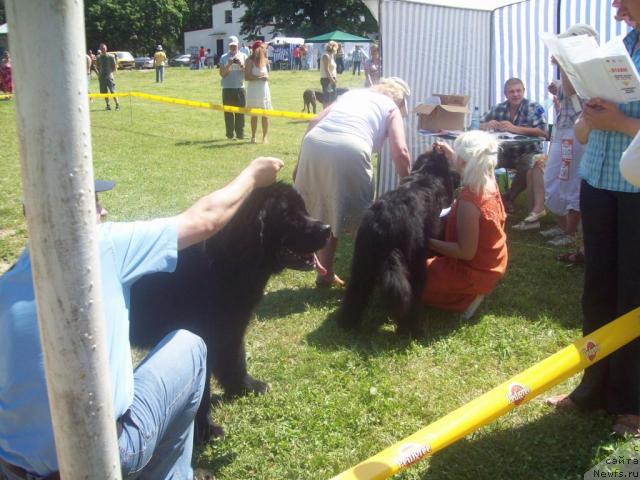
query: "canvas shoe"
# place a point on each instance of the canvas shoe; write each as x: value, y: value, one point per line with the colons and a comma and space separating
x: 534, y: 217
x: 552, y: 232
x: 524, y: 226
x: 562, y: 241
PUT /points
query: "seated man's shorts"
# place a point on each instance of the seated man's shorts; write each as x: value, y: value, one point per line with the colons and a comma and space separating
x: 107, y: 85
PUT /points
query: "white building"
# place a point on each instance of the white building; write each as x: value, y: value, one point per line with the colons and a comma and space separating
x: 225, y: 22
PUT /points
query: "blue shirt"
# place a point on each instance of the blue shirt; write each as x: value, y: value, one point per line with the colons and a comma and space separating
x: 600, y: 164
x: 235, y: 78
x: 127, y: 251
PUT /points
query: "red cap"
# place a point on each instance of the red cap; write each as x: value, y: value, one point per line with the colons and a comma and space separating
x: 256, y: 44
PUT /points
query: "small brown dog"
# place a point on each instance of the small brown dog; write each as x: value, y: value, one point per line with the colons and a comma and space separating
x: 309, y: 99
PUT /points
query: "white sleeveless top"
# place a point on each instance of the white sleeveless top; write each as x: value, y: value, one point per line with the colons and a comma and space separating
x: 362, y: 113
x: 332, y: 67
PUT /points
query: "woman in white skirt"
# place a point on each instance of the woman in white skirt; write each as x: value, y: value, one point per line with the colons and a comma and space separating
x: 334, y: 173
x: 258, y: 94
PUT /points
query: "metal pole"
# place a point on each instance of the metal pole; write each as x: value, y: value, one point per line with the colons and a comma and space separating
x: 48, y: 48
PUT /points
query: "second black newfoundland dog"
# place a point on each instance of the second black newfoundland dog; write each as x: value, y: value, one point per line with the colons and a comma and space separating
x: 218, y: 284
x: 391, y: 246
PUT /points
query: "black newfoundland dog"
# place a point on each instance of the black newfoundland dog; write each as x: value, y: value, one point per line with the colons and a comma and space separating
x: 218, y: 284
x: 392, y: 244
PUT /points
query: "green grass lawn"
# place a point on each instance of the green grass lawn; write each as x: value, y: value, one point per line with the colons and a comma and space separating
x: 336, y: 398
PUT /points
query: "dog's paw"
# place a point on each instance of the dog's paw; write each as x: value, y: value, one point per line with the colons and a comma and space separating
x: 410, y: 329
x: 207, y: 430
x: 346, y: 321
x: 256, y: 386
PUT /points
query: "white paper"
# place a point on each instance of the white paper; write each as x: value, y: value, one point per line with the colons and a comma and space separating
x: 605, y: 72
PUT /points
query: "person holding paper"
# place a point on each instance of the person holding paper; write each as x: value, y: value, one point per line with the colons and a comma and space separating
x: 610, y: 207
x: 523, y: 117
x: 561, y: 175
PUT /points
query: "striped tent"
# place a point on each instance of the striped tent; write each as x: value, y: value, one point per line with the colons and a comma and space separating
x: 472, y: 47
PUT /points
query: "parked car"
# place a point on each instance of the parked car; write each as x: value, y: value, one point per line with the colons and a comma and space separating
x: 181, y: 61
x: 124, y: 59
x: 144, y: 62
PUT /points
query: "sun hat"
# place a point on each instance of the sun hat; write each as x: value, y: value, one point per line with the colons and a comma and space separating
x: 579, y: 29
x: 233, y: 40
x: 159, y: 47
x: 404, y: 86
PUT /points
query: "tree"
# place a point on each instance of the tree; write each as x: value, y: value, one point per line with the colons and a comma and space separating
x: 306, y: 18
x: 199, y: 15
x: 135, y: 25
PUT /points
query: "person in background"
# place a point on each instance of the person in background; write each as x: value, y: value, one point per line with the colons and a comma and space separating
x: 358, y: 56
x: 93, y: 62
x: 107, y: 65
x: 209, y: 59
x: 258, y: 94
x: 334, y: 173
x: 610, y: 208
x: 328, y: 79
x: 202, y: 56
x: 245, y: 50
x: 232, y: 72
x: 523, y: 117
x: 6, y: 80
x: 561, y: 177
x: 297, y: 58
x: 155, y: 405
x: 304, y: 60
x: 339, y: 57
x: 159, y: 60
x: 372, y: 67
x: 474, y: 250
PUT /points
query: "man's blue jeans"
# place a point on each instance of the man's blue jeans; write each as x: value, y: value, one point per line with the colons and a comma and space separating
x: 156, y: 432
x: 156, y: 441
x: 160, y: 74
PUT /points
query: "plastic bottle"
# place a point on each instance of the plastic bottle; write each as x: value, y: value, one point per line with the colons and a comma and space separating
x: 475, y: 119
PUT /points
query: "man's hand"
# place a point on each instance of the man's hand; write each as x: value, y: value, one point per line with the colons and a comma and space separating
x: 265, y: 170
x: 491, y: 125
x: 507, y: 126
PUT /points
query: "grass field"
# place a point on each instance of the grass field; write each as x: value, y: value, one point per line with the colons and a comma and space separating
x: 336, y: 398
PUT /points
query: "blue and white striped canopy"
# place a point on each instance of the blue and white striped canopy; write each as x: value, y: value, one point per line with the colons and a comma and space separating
x: 466, y: 47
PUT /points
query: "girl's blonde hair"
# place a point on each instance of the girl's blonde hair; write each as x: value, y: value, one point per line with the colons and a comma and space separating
x: 479, y: 151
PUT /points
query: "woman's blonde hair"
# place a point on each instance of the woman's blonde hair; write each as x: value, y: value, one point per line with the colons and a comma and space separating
x: 479, y: 151
x: 332, y: 47
x: 259, y: 56
x: 395, y: 88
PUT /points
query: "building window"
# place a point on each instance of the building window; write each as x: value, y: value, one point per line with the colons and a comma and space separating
x: 227, y: 16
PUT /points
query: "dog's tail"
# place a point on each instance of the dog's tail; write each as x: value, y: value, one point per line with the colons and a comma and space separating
x: 395, y: 282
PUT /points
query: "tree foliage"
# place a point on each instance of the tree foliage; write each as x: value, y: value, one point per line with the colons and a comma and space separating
x: 135, y: 25
x: 199, y: 15
x: 306, y: 18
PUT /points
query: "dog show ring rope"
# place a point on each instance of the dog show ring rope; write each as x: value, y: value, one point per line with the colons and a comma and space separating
x: 258, y: 112
x: 514, y: 392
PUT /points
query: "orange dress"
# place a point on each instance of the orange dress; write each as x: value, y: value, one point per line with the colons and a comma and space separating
x: 452, y: 284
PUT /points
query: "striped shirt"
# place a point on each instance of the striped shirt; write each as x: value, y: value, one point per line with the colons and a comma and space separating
x: 567, y: 115
x: 600, y: 164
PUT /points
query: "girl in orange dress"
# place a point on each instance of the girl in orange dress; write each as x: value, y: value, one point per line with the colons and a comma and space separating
x: 474, y: 250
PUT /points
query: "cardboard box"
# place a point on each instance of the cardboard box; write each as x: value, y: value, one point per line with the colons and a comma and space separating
x: 449, y: 115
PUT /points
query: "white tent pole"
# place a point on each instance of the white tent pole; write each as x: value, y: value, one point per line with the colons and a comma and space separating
x: 48, y: 48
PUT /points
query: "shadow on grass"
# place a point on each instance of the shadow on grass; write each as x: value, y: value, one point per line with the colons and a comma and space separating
x: 191, y: 143
x: 281, y: 303
x: 556, y: 446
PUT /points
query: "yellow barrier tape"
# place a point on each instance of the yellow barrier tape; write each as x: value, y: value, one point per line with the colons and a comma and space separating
x: 5, y: 97
x: 502, y: 399
x: 258, y: 112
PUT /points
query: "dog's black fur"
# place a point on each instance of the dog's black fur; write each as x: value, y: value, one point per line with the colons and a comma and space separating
x: 218, y: 283
x: 309, y: 99
x: 392, y: 244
